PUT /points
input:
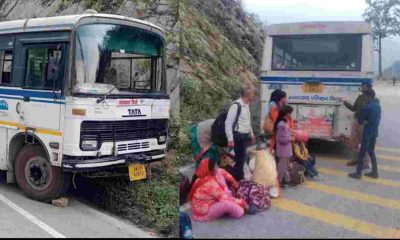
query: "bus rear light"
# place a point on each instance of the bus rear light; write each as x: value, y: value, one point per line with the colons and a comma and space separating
x: 79, y: 112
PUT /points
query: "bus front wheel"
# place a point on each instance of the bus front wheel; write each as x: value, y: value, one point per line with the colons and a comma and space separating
x: 37, y: 178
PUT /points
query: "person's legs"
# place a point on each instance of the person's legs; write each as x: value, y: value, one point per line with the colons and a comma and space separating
x: 309, y: 168
x: 371, y: 152
x: 240, y: 155
x: 355, y: 139
x: 283, y: 174
x: 363, y: 151
x: 223, y: 207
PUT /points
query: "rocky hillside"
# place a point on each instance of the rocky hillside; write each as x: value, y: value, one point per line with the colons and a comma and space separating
x: 214, y: 46
x: 221, y: 48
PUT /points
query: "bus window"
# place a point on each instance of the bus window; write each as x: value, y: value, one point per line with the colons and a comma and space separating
x: 6, y: 60
x: 317, y: 53
x: 43, y: 65
x: 128, y: 58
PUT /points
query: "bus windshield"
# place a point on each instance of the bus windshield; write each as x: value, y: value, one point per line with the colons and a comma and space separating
x: 317, y: 53
x: 128, y: 58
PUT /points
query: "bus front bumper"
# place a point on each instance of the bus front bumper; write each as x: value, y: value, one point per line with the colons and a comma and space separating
x: 78, y: 164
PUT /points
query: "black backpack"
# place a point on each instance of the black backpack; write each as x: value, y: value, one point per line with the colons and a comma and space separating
x: 218, y: 135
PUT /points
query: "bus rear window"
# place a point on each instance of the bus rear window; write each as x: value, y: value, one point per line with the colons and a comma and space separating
x: 317, y: 53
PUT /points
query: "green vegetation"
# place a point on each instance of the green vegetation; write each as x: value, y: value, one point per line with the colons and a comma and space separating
x: 151, y: 203
x: 213, y: 70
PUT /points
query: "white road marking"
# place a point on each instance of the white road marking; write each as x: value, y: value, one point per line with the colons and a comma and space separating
x: 31, y: 218
x: 133, y: 230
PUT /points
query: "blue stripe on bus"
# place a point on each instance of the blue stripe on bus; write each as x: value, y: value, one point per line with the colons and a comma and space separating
x: 33, y: 100
x: 301, y: 83
x: 301, y: 80
x: 30, y: 93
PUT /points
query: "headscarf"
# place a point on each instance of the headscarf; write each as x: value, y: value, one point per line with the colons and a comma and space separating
x: 203, y: 174
x: 301, y: 136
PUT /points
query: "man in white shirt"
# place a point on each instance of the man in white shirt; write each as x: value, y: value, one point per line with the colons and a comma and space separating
x: 238, y: 129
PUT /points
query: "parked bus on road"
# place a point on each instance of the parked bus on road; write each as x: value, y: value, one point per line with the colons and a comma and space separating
x: 80, y: 94
x: 318, y: 64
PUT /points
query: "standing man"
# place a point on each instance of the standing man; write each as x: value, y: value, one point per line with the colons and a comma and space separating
x: 394, y: 81
x: 240, y: 134
x: 371, y: 117
x: 356, y: 129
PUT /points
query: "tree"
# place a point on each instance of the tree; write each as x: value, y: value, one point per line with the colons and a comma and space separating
x: 384, y: 15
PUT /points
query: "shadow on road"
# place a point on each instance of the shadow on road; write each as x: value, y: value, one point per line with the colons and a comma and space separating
x: 329, y: 148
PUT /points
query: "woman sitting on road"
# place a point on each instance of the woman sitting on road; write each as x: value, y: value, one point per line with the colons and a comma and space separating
x: 302, y: 155
x: 210, y: 196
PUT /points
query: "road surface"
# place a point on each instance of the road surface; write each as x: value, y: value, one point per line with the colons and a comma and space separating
x: 338, y: 207
x: 21, y: 217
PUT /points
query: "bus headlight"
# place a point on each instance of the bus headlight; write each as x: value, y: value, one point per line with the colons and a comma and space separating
x: 162, y: 139
x: 89, y: 145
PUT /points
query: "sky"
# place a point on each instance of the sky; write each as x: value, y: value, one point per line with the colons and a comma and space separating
x: 282, y: 11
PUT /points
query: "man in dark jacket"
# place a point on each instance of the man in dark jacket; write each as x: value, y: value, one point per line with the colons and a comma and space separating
x: 356, y: 128
x: 370, y: 117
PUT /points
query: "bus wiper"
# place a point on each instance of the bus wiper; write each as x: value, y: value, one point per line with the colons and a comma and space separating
x: 105, y: 95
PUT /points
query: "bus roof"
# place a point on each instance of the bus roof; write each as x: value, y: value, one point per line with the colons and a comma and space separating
x: 62, y: 23
x: 327, y: 27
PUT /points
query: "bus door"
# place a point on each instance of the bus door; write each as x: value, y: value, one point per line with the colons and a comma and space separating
x: 42, y: 76
x: 8, y: 101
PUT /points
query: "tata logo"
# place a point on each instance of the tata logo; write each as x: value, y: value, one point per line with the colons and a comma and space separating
x: 3, y: 105
x: 135, y: 112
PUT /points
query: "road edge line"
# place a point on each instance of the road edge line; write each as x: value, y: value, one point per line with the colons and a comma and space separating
x: 31, y: 218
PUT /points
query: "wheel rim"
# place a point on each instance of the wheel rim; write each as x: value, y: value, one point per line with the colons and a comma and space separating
x: 38, y: 173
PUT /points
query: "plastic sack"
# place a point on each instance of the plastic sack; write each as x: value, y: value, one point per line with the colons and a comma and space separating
x: 248, y: 169
x: 265, y: 169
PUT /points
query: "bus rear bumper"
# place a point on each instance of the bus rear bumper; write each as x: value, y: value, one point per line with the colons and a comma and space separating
x: 79, y: 164
x: 342, y: 139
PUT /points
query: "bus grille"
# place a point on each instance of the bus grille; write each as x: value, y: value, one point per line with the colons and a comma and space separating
x: 109, y: 131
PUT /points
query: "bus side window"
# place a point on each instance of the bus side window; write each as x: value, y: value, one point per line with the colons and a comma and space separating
x: 6, y: 66
x: 43, y: 70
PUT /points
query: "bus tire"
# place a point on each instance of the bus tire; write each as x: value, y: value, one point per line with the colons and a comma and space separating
x: 37, y: 178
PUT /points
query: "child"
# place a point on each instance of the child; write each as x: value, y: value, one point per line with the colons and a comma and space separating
x: 303, y: 157
x: 284, y: 149
x: 210, y: 196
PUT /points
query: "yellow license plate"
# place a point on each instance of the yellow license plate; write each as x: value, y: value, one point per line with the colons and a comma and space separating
x: 137, y: 172
x: 313, y: 88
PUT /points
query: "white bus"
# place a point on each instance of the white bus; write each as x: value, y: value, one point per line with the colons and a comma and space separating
x: 318, y: 64
x: 80, y: 94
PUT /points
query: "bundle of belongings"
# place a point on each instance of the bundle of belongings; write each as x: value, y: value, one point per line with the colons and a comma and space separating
x: 265, y: 172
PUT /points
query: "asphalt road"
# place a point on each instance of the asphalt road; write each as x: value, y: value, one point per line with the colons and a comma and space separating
x: 338, y: 207
x: 21, y: 217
